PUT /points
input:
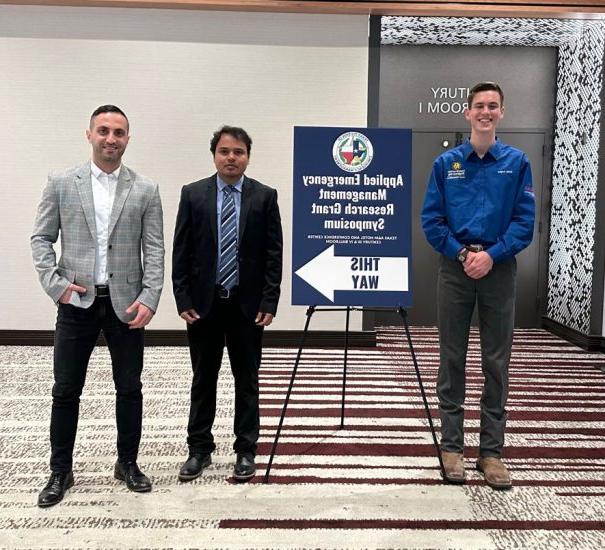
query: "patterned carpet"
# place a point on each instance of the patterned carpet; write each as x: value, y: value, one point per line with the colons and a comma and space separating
x: 373, y: 484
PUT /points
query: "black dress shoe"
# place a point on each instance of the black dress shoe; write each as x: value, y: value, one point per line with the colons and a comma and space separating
x: 54, y: 490
x: 135, y: 480
x: 194, y: 466
x: 245, y: 468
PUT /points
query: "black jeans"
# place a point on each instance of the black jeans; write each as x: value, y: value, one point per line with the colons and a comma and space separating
x: 224, y: 325
x: 76, y: 332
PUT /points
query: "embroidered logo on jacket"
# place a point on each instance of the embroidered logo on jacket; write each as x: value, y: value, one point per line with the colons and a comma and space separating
x: 456, y: 172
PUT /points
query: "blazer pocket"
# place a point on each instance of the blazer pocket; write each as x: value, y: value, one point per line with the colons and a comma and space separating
x: 134, y: 277
x: 67, y: 273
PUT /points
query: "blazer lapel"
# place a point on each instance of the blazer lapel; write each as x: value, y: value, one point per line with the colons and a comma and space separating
x: 210, y: 206
x: 122, y: 190
x: 245, y: 206
x: 84, y: 186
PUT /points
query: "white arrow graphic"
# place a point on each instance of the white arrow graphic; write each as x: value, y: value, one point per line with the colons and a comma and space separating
x: 328, y: 273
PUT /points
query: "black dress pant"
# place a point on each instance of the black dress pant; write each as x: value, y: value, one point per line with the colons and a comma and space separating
x: 224, y: 325
x: 76, y: 332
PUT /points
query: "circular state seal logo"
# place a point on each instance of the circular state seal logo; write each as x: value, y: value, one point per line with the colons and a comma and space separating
x: 352, y: 152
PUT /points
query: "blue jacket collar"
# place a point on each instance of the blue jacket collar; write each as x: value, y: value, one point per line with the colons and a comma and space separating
x: 495, y: 150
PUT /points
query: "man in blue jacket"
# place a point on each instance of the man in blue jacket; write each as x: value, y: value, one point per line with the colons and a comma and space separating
x: 478, y: 214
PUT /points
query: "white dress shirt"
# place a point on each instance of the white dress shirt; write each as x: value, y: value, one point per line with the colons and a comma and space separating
x: 104, y: 192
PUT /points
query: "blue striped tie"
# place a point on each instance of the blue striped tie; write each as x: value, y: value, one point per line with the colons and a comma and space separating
x: 228, y: 260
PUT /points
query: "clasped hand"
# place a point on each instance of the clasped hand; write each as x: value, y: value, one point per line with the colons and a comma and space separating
x: 478, y: 264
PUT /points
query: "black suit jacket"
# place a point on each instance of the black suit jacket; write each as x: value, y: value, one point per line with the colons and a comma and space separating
x: 195, y: 247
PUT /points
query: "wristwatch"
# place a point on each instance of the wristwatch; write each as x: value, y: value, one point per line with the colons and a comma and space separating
x: 462, y: 254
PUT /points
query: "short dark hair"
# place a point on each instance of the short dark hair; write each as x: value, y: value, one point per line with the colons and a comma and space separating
x: 484, y: 87
x: 238, y: 133
x: 107, y: 109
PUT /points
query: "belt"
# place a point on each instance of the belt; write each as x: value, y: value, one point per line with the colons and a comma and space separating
x: 102, y: 291
x: 225, y: 293
x: 474, y: 247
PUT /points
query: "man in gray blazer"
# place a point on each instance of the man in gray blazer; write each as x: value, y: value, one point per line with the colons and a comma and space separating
x: 109, y: 278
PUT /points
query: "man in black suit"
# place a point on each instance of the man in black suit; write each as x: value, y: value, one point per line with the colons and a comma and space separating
x: 226, y: 275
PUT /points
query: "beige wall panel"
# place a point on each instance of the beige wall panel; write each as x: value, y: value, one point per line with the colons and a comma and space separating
x: 178, y: 75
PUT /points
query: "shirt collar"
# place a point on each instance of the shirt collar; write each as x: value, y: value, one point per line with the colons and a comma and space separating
x: 220, y: 184
x: 97, y: 171
x: 495, y: 150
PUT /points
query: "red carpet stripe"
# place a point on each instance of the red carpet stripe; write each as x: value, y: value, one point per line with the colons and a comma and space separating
x: 377, y: 449
x: 409, y: 524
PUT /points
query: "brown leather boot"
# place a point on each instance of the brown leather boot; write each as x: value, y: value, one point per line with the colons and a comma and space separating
x: 453, y: 464
x: 495, y: 472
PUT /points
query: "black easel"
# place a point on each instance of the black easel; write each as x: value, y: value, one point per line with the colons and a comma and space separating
x: 312, y: 309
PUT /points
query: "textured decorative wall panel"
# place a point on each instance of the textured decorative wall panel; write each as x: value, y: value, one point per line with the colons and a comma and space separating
x: 577, y: 129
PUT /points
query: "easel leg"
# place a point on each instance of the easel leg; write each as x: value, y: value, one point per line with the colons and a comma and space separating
x: 310, y: 312
x: 344, y: 372
x: 402, y: 312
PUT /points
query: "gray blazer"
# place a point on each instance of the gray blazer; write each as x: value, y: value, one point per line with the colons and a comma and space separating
x: 135, y: 226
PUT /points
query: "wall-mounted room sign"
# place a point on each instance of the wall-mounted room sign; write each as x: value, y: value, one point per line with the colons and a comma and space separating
x: 443, y: 100
x: 351, y: 242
